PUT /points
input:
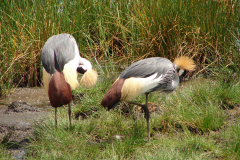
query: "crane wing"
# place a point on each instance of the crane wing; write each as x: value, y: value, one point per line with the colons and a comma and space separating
x: 147, y: 67
x: 58, y: 51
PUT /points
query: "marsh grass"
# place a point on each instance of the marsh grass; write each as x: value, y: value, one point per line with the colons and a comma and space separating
x: 190, y: 123
x: 119, y: 31
x: 4, y: 152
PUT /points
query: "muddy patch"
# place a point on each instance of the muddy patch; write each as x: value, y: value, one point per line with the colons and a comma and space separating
x: 21, y: 114
x: 17, y: 107
x: 18, y: 111
x: 34, y: 96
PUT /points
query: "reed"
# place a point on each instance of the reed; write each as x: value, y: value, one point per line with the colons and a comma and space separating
x: 119, y: 31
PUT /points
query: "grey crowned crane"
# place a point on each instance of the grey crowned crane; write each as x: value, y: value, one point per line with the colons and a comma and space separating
x: 61, y: 61
x: 145, y: 76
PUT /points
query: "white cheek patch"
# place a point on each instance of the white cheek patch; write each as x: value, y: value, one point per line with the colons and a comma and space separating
x: 83, y: 67
x: 180, y: 72
x: 85, y: 64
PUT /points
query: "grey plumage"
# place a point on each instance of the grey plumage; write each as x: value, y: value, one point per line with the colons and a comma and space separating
x: 147, y: 67
x: 168, y: 83
x: 58, y: 51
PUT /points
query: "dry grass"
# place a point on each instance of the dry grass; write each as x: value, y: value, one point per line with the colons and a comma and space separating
x: 122, y: 31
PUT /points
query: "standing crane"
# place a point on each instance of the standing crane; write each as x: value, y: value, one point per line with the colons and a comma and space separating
x: 145, y: 76
x: 61, y: 61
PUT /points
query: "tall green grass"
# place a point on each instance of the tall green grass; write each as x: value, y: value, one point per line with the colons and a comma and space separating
x: 192, y: 122
x: 119, y: 31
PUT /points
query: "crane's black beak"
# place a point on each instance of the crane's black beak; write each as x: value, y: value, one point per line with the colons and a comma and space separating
x: 180, y: 79
x: 81, y: 70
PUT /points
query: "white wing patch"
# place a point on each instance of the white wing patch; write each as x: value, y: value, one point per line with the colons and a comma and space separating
x: 133, y: 87
x: 150, y: 82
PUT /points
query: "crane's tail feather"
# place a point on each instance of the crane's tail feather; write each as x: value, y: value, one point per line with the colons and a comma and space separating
x: 89, y: 78
x: 185, y: 63
x: 113, y: 95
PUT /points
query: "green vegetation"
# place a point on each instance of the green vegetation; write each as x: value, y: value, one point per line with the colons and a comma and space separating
x: 194, y: 122
x: 200, y: 120
x: 119, y: 31
x: 4, y: 152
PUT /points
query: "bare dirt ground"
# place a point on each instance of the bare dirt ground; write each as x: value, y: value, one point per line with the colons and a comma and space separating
x: 17, y: 113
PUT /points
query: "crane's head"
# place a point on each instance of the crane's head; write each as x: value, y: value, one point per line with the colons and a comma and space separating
x: 84, y: 65
x: 183, y: 64
x: 181, y: 73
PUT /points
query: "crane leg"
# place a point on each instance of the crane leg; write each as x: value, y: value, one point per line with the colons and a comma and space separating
x: 147, y: 115
x: 55, y: 116
x: 69, y: 114
x: 146, y: 111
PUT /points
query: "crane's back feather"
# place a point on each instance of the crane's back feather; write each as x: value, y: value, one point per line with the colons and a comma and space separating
x: 147, y: 67
x: 58, y: 51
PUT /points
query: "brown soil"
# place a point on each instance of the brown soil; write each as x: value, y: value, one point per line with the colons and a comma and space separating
x: 16, y: 126
x: 18, y: 116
